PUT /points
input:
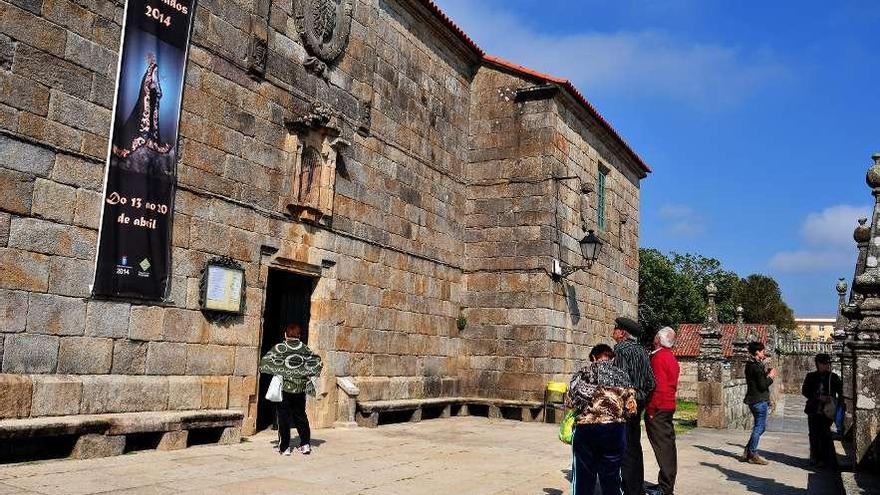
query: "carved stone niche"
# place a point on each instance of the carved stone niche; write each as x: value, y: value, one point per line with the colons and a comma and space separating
x: 313, y: 172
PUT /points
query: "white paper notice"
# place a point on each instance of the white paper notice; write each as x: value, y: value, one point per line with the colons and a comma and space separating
x: 235, y: 287
x: 216, y: 284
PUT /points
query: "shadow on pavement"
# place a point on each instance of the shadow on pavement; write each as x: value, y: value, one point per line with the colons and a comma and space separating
x: 718, y: 452
x: 757, y: 484
x: 825, y: 482
x: 294, y: 440
x: 789, y: 460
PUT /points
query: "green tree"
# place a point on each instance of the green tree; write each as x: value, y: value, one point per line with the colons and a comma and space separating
x: 667, y: 296
x: 762, y: 302
x: 701, y: 271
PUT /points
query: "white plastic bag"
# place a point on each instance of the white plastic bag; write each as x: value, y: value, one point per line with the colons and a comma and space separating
x: 275, y: 389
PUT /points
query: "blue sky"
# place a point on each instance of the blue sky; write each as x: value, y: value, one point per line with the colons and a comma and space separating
x: 758, y: 118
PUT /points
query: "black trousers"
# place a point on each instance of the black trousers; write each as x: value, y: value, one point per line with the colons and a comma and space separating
x: 661, y: 434
x: 633, y: 468
x: 597, y: 452
x: 821, y: 444
x: 292, y: 406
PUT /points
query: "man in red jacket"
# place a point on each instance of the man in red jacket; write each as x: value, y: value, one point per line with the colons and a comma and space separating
x: 661, y: 407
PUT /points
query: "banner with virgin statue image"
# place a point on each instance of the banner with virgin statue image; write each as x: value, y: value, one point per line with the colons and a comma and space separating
x: 134, y: 242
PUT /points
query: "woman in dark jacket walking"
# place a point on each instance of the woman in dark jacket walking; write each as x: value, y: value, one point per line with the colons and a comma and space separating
x: 758, y: 381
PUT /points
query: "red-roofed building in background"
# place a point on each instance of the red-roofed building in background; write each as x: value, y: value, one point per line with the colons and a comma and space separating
x: 687, y: 350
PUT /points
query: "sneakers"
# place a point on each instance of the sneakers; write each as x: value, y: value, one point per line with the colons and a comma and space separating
x: 302, y: 449
x: 757, y: 459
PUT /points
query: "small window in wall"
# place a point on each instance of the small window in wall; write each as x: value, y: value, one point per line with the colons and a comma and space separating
x: 600, y: 198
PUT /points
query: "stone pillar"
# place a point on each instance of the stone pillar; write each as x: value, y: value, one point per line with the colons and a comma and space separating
x: 712, y: 370
x: 863, y: 341
x: 839, y: 335
x: 862, y: 236
x: 740, y: 347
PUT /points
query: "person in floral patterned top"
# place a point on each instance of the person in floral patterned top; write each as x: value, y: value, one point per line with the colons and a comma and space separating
x: 603, y: 398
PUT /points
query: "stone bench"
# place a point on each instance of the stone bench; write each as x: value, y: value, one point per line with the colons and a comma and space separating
x: 404, y: 410
x: 101, y: 435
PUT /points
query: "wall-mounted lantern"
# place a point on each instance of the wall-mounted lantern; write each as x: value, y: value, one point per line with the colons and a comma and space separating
x: 590, y: 246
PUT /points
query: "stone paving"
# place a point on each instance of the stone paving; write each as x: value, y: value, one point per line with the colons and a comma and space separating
x: 457, y: 455
x: 792, y: 419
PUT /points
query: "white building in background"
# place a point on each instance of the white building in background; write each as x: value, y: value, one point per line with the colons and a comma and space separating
x: 814, y: 327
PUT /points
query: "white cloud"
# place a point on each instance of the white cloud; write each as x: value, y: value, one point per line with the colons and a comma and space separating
x: 811, y: 260
x: 681, y: 220
x: 630, y: 63
x: 832, y: 226
x: 827, y: 236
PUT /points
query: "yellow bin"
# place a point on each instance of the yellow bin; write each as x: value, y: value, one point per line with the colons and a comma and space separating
x: 556, y: 391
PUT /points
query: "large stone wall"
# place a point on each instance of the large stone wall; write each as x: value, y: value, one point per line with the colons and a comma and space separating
x: 524, y: 211
x: 794, y: 368
x: 687, y: 379
x: 446, y: 205
x: 388, y: 305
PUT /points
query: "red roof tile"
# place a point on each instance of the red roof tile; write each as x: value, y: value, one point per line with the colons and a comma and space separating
x: 687, y: 341
x: 436, y: 10
x: 565, y: 83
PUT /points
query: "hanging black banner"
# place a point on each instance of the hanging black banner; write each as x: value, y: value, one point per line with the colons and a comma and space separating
x: 134, y: 247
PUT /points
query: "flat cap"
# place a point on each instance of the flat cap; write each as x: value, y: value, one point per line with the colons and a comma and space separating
x: 631, y: 327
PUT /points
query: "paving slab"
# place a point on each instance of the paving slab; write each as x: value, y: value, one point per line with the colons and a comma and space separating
x: 459, y: 455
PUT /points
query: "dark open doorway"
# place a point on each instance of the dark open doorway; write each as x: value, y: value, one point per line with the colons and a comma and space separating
x: 288, y: 300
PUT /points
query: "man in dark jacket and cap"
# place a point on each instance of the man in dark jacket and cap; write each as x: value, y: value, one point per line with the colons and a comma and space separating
x: 632, y: 357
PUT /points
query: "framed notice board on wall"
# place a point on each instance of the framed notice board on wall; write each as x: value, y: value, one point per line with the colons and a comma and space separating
x: 222, y: 289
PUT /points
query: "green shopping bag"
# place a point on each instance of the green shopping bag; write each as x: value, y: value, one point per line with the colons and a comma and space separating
x: 566, y: 428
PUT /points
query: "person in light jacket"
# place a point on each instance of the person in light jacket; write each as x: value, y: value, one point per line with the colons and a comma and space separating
x: 296, y: 364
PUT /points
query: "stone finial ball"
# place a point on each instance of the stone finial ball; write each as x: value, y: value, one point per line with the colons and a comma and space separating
x: 711, y: 289
x: 841, y: 286
x: 873, y: 175
x: 862, y: 233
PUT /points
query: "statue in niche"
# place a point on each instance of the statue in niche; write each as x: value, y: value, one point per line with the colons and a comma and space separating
x: 318, y: 144
x: 309, y: 168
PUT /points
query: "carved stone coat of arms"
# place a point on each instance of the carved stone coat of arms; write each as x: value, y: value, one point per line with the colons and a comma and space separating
x: 324, y: 26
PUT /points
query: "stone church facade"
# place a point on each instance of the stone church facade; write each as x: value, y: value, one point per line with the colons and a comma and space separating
x: 416, y: 192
